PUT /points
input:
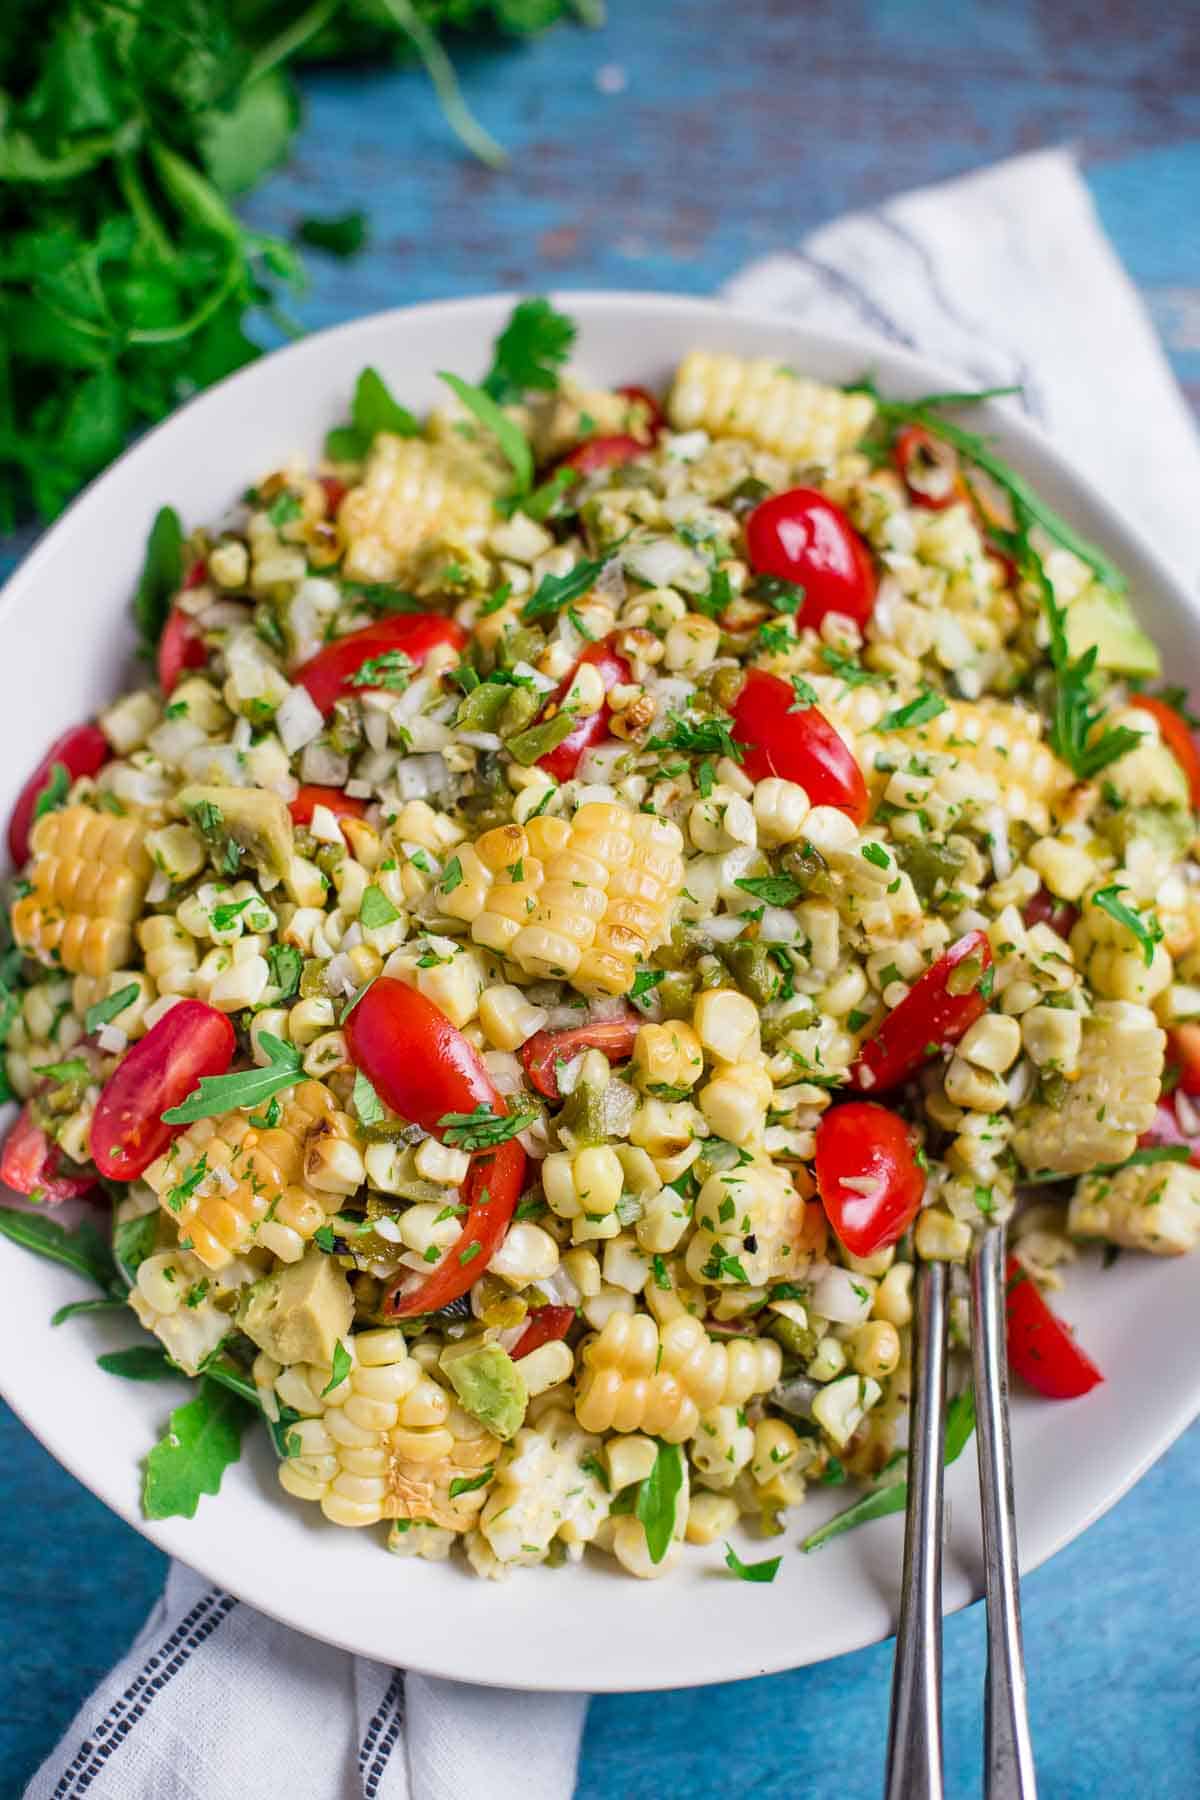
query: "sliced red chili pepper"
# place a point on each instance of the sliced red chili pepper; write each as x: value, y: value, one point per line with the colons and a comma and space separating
x: 928, y: 467
x: 547, y: 1325
x: 543, y: 1053
x: 1041, y: 1350
x: 930, y: 1017
x: 424, y: 1068
x: 796, y: 743
x: 180, y: 647
x: 1176, y: 735
x: 156, y: 1073
x: 602, y: 453
x: 860, y: 1143
x: 81, y: 751
x: 564, y: 759
x: 332, y: 672
x: 1044, y: 909
x: 802, y: 537
x: 336, y: 800
x: 31, y: 1163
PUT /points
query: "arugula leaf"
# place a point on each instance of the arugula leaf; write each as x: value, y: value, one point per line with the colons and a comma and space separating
x: 510, y: 437
x: 101, y: 1303
x: 657, y: 1497
x: 201, y: 1440
x: 1148, y: 935
x: 161, y: 577
x: 529, y: 352
x: 342, y: 235
x: 892, y: 1495
x: 759, y: 1571
x: 373, y: 410
x: 106, y: 1010
x: 556, y: 591
x: 141, y: 1362
x: 219, y: 1094
x: 481, y: 1129
x: 341, y: 1366
x: 83, y: 1249
x: 134, y: 1241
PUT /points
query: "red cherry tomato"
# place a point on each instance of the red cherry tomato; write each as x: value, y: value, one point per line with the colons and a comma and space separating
x: 339, y: 803
x: 1040, y: 1348
x: 863, y: 1142
x: 928, y: 467
x: 156, y: 1073
x: 547, y: 1325
x: 545, y: 1050
x: 335, y: 493
x: 180, y: 647
x: 1044, y: 909
x: 330, y: 674
x: 930, y: 1017
x: 1165, y: 1129
x: 798, y: 745
x: 424, y: 1067
x: 1173, y: 728
x: 642, y: 397
x: 564, y: 759
x: 1183, y: 1053
x: 30, y: 1164
x: 602, y: 453
x: 81, y: 751
x: 804, y: 538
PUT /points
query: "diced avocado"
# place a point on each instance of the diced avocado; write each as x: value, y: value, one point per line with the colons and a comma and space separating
x: 1169, y: 830
x: 299, y: 1313
x: 1149, y: 775
x: 489, y: 1385
x: 1106, y: 619
x: 254, y: 819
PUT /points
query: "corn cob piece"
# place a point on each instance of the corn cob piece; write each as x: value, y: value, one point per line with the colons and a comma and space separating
x: 735, y: 396
x: 412, y: 494
x: 638, y: 1377
x: 231, y: 1185
x: 386, y: 1443
x: 170, y: 954
x: 178, y: 1298
x: 1155, y: 1207
x: 90, y: 871
x: 546, y: 1487
x: 582, y: 901
x: 1110, y: 1102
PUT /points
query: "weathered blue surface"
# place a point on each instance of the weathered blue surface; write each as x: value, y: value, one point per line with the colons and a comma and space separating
x: 734, y: 130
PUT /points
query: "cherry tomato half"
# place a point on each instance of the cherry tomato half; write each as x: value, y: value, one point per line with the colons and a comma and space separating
x: 1165, y: 1129
x: 564, y: 759
x: 335, y: 800
x: 796, y: 744
x: 1183, y: 1053
x: 857, y: 1143
x: 1040, y: 1348
x: 602, y: 453
x: 180, y: 647
x: 804, y: 538
x: 1044, y: 909
x: 548, y: 1325
x: 331, y: 673
x: 1173, y: 728
x: 156, y: 1073
x: 81, y: 751
x: 31, y: 1164
x: 928, y: 468
x: 545, y: 1050
x: 652, y: 412
x: 931, y: 1016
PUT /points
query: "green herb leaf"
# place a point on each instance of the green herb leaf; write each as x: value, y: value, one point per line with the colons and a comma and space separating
x: 481, y: 1129
x: 556, y: 591
x: 776, y: 890
x: 83, y: 1249
x: 529, y: 352
x: 645, y: 981
x: 134, y: 1240
x: 161, y: 577
x: 373, y: 410
x: 102, y: 1303
x: 708, y: 736
x: 286, y: 965
x: 219, y: 1094
x: 52, y: 796
x: 367, y: 1103
x: 1148, y: 933
x: 759, y: 1571
x: 141, y: 1362
x: 805, y: 692
x: 201, y: 1440
x: 511, y: 439
x: 452, y: 875
x: 376, y: 910
x: 892, y: 1495
x: 392, y: 670
x: 341, y: 1366
x: 847, y: 669
x: 342, y: 234
x: 104, y: 1011
x: 927, y: 705
x: 467, y: 1484
x: 657, y: 1497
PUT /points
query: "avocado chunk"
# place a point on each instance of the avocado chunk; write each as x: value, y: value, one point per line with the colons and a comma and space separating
x: 254, y: 819
x: 1106, y: 620
x: 489, y: 1385
x: 299, y: 1313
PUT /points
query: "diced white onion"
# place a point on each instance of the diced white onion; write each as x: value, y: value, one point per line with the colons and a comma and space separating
x: 385, y: 1227
x: 111, y: 1039
x: 724, y: 929
x: 323, y: 766
x: 778, y: 926
x: 665, y: 562
x: 419, y: 776
x: 359, y: 790
x: 481, y: 740
x: 324, y: 826
x: 340, y: 975
x: 841, y: 1297
x: 995, y: 823
x: 298, y: 720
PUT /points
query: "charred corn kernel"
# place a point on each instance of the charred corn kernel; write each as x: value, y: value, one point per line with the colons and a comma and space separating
x: 840, y: 1408
x: 414, y: 494
x: 546, y: 1367
x: 993, y: 1042
x: 229, y: 563
x: 726, y: 1023
x: 447, y: 973
x: 1155, y: 1207
x: 546, y: 1487
x: 736, y: 1100
x: 691, y: 644
x: 326, y: 1055
x: 667, y: 1056
x: 508, y: 1018
x: 711, y: 1517
x: 1065, y: 867
x: 441, y: 1162
x: 1052, y: 1037
x: 201, y: 702
x: 776, y: 1448
x: 177, y: 1298
x: 749, y: 1222
x: 734, y: 396
x: 588, y: 1182
x: 722, y: 821
x: 89, y: 876
x: 129, y: 723
x: 974, y: 1088
x: 640, y: 1377
x: 941, y: 1238
x: 1110, y: 1102
x: 309, y: 1019
x: 780, y: 809
x: 528, y: 1254
x: 665, y: 1129
x: 893, y: 1297
x: 178, y: 851
x: 875, y: 1349
x: 231, y: 1185
x: 629, y: 1459
x: 723, y: 1445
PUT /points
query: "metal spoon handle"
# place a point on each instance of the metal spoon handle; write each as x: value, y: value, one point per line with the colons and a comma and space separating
x: 914, y: 1758
x: 1008, y: 1751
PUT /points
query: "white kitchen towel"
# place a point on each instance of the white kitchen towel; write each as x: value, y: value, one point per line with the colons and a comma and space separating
x: 1007, y: 275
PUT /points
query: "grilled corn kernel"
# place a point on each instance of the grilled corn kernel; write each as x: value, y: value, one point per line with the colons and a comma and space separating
x: 941, y: 1238
x: 726, y: 1023
x: 667, y: 1056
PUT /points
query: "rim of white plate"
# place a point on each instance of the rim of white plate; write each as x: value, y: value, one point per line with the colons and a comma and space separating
x: 586, y: 1629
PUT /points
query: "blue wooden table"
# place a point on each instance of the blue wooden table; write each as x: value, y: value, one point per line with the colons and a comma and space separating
x: 664, y: 152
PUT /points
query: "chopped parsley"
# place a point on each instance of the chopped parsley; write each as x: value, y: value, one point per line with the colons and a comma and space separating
x: 481, y: 1129
x: 927, y: 705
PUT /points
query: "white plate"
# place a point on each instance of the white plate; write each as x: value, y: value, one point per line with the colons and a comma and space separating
x: 67, y: 644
